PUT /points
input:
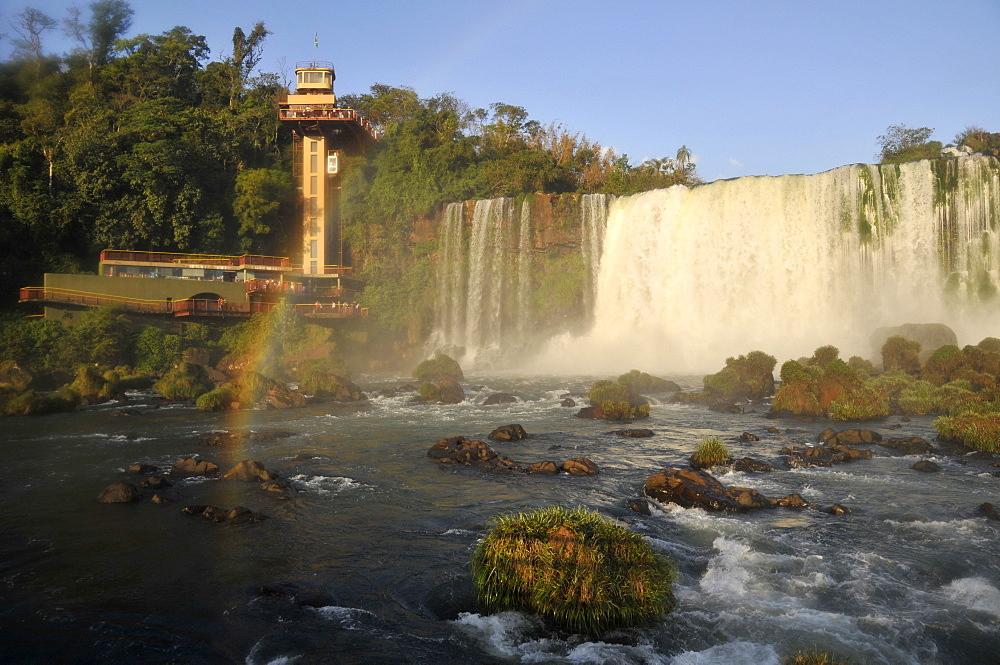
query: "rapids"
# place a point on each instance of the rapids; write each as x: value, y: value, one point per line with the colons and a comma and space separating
x: 368, y: 562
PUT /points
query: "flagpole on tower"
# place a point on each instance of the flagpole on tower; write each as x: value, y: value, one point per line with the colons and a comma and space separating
x: 316, y: 47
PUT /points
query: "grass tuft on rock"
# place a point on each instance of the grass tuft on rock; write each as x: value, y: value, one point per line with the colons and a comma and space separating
x: 710, y: 452
x: 584, y: 572
x: 814, y: 657
x: 438, y: 368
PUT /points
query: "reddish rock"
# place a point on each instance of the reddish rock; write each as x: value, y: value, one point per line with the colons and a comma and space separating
x: 194, y: 466
x: 580, y: 466
x: 249, y: 470
x: 119, y: 492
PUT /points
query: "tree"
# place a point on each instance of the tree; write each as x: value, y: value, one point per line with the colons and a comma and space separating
x: 247, y: 52
x: 261, y: 195
x: 683, y: 157
x: 29, y: 24
x: 900, y: 142
x: 109, y: 21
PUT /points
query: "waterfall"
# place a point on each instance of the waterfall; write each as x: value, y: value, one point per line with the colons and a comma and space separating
x: 491, y: 305
x: 689, y: 277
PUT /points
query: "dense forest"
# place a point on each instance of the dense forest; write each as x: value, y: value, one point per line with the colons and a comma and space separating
x: 141, y: 142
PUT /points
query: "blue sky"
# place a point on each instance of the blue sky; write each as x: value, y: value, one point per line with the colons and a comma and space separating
x: 765, y: 87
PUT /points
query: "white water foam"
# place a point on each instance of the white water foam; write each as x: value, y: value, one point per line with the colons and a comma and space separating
x: 974, y: 593
x: 326, y: 485
x: 731, y: 653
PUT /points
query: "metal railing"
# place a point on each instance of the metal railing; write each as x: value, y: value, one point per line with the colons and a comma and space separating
x: 326, y: 112
x: 196, y: 259
x: 186, y: 306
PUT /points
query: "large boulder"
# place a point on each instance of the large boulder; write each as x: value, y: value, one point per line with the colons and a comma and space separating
x: 249, y: 469
x: 931, y: 337
x: 690, y: 488
x: 849, y: 437
x: 580, y: 466
x: 194, y: 466
x: 512, y: 432
x: 499, y: 398
x: 119, y: 492
x: 279, y: 397
x: 325, y: 386
x: 908, y: 445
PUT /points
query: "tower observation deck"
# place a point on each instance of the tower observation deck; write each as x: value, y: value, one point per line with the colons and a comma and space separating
x: 322, y: 135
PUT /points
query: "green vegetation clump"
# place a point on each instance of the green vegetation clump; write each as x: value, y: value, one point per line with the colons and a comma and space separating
x: 862, y: 403
x: 641, y: 382
x: 584, y: 572
x: 185, y: 383
x: 901, y: 353
x: 624, y: 411
x: 814, y: 657
x: 606, y: 390
x: 218, y: 399
x: 746, y: 377
x: 918, y: 399
x: 710, y: 452
x: 974, y: 430
x: 438, y: 368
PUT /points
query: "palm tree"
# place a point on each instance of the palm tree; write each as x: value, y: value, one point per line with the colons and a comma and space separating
x: 683, y: 157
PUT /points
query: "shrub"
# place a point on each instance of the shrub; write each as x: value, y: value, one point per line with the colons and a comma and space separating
x: 861, y: 366
x: 429, y: 392
x: 893, y: 383
x: 217, y: 399
x: 990, y: 345
x: 89, y: 384
x: 798, y: 390
x: 606, y: 390
x: 641, y: 382
x: 824, y: 355
x: 155, y: 351
x: 187, y: 382
x: 582, y: 571
x: 918, y: 399
x: 863, y: 403
x: 974, y: 430
x: 624, y: 411
x: 902, y: 354
x: 438, y: 368
x: 710, y: 452
x: 746, y: 377
x: 942, y: 364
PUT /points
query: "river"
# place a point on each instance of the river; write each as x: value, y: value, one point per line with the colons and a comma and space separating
x: 368, y: 561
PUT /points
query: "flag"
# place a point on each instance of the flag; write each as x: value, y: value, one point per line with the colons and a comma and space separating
x: 316, y: 40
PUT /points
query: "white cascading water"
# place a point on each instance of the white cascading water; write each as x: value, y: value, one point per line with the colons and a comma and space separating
x: 689, y: 277
x: 485, y: 313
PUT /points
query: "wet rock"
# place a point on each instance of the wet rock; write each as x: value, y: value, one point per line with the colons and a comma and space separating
x: 926, y: 466
x: 234, y: 439
x: 460, y: 450
x: 499, y: 398
x: 278, y: 488
x: 696, y: 489
x: 157, y: 483
x: 837, y: 509
x: 982, y: 455
x: 826, y: 454
x: 249, y: 470
x: 749, y: 465
x: 580, y: 466
x: 141, y: 469
x: 725, y: 407
x: 236, y: 515
x: 640, y: 506
x: 635, y: 433
x: 793, y: 501
x: 567, y: 401
x: 747, y: 436
x: 908, y: 445
x: 194, y: 466
x: 989, y: 511
x: 512, y: 432
x: 851, y: 437
x: 280, y: 397
x: 119, y: 492
x: 773, y: 430
x: 544, y: 468
x: 163, y: 498
x: 594, y: 412
x: 128, y: 411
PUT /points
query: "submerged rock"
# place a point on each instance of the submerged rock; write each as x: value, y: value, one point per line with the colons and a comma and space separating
x: 749, y: 465
x: 989, y: 511
x: 635, y: 433
x: 119, y: 492
x: 499, y: 398
x: 461, y: 450
x: 926, y: 466
x: 851, y: 437
x: 236, y: 515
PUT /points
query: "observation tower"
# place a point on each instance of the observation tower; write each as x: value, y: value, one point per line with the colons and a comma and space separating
x: 322, y: 135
